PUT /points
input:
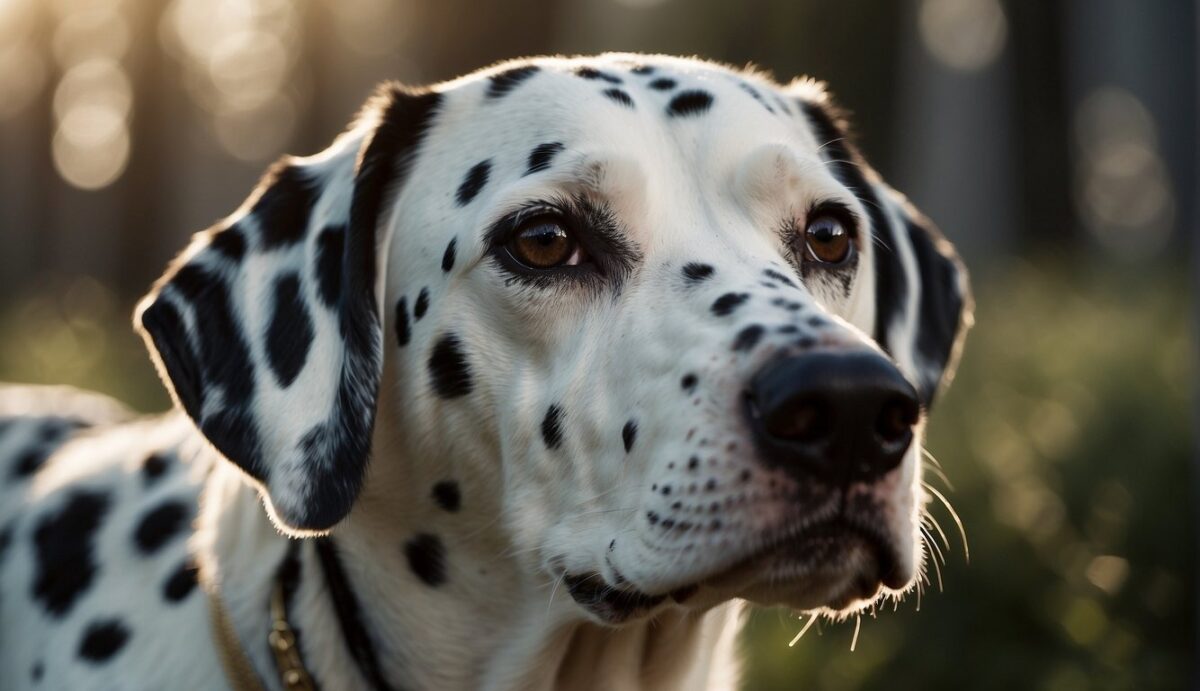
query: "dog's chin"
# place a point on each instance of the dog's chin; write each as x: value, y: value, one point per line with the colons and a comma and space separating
x: 833, y: 566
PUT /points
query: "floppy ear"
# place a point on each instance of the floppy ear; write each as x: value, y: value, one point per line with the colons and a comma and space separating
x: 267, y: 328
x: 923, y: 299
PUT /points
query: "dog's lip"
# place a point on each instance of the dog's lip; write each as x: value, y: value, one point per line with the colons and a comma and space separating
x: 810, y: 549
x: 617, y: 603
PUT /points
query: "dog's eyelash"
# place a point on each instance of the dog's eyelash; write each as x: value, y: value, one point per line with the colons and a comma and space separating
x: 596, y: 229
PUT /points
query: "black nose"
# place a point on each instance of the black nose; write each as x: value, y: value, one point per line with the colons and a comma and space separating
x: 841, y: 417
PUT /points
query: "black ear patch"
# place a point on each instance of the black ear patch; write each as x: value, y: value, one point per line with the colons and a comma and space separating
x: 328, y: 269
x: 284, y: 203
x: 290, y: 332
x: 942, y: 306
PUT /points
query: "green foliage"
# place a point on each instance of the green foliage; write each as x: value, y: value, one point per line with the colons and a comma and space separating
x: 1067, y: 437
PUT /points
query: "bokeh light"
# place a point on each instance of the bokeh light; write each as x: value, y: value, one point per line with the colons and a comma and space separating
x: 966, y: 35
x: 1122, y: 189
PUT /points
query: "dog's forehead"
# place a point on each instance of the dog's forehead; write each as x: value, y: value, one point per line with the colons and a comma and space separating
x: 657, y: 110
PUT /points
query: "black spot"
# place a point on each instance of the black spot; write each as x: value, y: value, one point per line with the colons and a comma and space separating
x: 63, y: 546
x: 593, y: 73
x: 552, y: 427
x: 629, y: 434
x: 940, y: 309
x: 102, y: 639
x: 643, y: 69
x: 782, y: 278
x: 229, y: 242
x: 691, y: 102
x: 153, y: 467
x: 38, y: 670
x: 727, y: 303
x: 328, y: 267
x: 181, y: 582
x: 448, y: 368
x: 160, y: 524
x: 662, y: 84
x: 506, y: 81
x: 30, y: 462
x: 403, y: 334
x: 6, y: 534
x: 474, y: 181
x: 448, y: 256
x: 542, y: 155
x: 666, y: 490
x: 427, y: 558
x: 447, y: 495
x: 757, y: 96
x: 788, y: 329
x: 693, y: 463
x: 421, y: 305
x: 688, y: 382
x: 652, y: 517
x: 282, y: 204
x: 619, y: 96
x: 696, y: 272
x: 290, y: 331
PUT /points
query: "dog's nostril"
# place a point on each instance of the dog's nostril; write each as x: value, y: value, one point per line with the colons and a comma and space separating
x: 896, y: 419
x: 803, y: 421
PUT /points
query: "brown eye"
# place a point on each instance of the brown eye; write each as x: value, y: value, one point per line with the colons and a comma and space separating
x: 827, y: 240
x: 544, y: 243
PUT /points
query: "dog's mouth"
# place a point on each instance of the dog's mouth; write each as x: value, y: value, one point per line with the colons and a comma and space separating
x: 833, y: 563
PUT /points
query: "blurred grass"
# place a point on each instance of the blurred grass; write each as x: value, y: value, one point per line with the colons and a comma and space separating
x: 1066, y: 435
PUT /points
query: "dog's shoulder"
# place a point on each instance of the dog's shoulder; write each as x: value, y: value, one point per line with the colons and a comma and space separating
x: 96, y: 505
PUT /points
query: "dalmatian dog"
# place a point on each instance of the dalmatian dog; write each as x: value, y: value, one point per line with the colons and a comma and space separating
x: 529, y: 381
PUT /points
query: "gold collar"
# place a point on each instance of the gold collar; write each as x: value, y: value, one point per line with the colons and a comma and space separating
x: 238, y: 669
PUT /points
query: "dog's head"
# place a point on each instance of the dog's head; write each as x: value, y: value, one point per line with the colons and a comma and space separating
x: 662, y: 312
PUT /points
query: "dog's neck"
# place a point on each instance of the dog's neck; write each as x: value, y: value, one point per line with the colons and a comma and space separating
x: 482, y: 625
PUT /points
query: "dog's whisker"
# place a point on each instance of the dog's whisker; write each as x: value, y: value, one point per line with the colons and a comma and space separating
x: 962, y: 531
x: 812, y: 619
x: 933, y: 521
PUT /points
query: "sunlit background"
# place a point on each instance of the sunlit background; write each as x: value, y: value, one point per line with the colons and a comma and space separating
x: 1055, y: 142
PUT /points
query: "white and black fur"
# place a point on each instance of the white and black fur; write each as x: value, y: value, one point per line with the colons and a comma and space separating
x: 525, y: 483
